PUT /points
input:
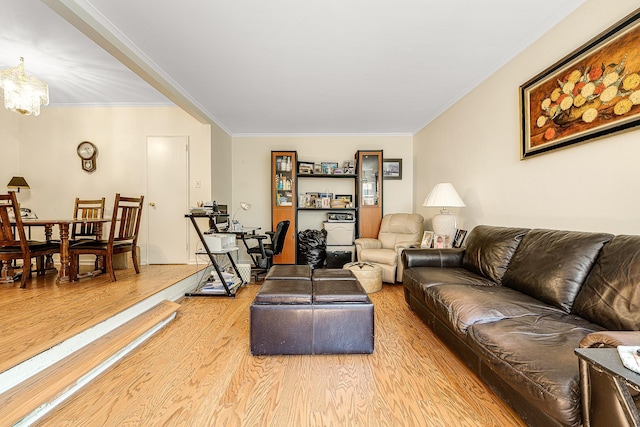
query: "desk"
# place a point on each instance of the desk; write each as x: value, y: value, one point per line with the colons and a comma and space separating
x: 228, y: 290
x: 245, y: 233
x: 63, y: 224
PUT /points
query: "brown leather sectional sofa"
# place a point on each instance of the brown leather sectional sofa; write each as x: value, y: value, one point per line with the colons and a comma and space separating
x: 515, y: 303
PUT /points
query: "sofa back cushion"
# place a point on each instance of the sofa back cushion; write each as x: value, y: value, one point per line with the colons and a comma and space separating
x: 610, y: 296
x: 489, y: 250
x: 552, y: 265
x: 400, y: 227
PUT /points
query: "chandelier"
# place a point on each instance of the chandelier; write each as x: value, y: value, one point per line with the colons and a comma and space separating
x: 23, y: 93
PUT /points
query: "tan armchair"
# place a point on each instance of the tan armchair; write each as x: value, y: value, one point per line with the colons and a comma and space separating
x: 397, y: 232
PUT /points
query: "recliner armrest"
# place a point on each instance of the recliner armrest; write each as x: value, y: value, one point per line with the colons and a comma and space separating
x: 610, y: 339
x: 443, y: 258
x: 368, y: 243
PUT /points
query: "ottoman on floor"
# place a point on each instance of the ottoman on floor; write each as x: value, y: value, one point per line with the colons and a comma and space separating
x: 369, y: 275
x: 320, y: 316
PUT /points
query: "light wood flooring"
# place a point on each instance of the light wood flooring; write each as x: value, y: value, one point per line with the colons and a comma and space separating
x: 45, y: 313
x: 198, y: 371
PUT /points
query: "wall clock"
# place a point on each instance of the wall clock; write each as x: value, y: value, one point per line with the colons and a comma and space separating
x: 88, y: 152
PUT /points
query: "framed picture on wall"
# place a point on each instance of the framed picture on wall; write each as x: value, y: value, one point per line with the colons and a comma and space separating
x: 392, y: 168
x: 591, y: 93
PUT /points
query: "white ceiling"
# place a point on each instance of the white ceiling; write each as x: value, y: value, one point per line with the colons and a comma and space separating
x: 278, y: 66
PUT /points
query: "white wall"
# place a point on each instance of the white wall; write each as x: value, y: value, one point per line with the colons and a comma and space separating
x: 476, y: 146
x: 47, y: 155
x: 252, y: 169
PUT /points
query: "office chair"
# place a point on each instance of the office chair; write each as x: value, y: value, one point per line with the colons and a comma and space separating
x: 268, y: 250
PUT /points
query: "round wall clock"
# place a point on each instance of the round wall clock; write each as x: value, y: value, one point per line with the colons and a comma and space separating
x: 88, y: 152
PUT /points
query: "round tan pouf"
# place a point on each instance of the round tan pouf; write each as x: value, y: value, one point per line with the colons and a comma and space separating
x: 369, y: 275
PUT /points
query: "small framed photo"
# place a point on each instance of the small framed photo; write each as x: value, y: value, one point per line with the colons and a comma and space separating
x: 392, y: 168
x: 326, y: 202
x: 317, y: 169
x: 329, y: 167
x: 441, y: 241
x: 427, y: 240
x: 305, y: 168
x: 459, y: 240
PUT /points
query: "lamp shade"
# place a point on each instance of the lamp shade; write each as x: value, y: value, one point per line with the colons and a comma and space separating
x: 443, y: 195
x: 17, y: 182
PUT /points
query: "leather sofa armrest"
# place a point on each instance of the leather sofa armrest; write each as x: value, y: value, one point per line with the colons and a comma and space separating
x: 610, y: 339
x: 443, y: 258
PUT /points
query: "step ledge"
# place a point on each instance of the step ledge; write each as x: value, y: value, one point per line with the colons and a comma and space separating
x: 25, y: 370
x: 47, y: 407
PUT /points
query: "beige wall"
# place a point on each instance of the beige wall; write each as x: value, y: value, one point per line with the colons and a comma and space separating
x: 46, y: 155
x: 252, y: 171
x: 221, y: 165
x: 475, y: 145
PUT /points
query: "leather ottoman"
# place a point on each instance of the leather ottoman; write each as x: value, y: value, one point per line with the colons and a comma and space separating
x: 325, y: 315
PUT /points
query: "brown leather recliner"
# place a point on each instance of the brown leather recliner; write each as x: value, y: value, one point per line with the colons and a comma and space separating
x: 397, y: 232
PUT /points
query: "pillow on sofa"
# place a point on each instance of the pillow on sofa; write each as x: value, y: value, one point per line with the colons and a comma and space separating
x: 489, y: 249
x: 552, y: 265
x: 610, y: 296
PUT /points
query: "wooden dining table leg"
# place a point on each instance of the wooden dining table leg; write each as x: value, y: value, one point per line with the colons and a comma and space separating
x: 65, y: 261
x: 48, y: 233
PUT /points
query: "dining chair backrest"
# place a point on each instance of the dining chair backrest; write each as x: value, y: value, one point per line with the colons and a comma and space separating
x: 87, y: 209
x: 125, y: 224
x: 8, y: 206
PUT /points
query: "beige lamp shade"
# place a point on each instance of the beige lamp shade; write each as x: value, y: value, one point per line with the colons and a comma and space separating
x: 444, y: 195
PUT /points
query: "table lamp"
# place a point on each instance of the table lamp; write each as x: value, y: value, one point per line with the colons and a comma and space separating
x: 17, y: 182
x: 444, y: 195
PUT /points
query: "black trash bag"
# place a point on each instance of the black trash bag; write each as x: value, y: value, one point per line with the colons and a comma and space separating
x: 312, y: 248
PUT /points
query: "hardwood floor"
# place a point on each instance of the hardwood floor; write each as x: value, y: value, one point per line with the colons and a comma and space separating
x: 45, y: 313
x: 198, y: 372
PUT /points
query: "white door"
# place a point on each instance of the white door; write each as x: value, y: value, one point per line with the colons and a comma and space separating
x: 167, y: 199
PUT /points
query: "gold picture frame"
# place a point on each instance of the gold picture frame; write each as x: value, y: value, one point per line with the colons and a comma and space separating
x: 591, y: 93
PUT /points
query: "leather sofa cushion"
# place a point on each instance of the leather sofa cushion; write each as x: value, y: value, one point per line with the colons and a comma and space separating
x: 289, y: 272
x: 332, y: 274
x: 489, y: 250
x: 463, y: 306
x: 535, y: 355
x: 418, y: 279
x: 611, y: 296
x: 340, y: 291
x: 552, y: 265
x: 284, y: 292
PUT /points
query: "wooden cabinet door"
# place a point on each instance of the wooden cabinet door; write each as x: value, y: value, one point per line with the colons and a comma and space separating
x: 369, y: 192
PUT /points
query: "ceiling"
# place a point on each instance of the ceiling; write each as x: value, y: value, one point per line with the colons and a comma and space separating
x: 278, y: 66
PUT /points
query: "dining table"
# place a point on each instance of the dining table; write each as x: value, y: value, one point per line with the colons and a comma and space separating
x: 64, y: 225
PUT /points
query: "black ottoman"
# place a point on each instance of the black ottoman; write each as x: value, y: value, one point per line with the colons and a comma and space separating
x: 324, y: 315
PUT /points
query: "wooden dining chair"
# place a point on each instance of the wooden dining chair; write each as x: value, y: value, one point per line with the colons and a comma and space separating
x: 12, y: 248
x: 123, y: 237
x: 87, y: 209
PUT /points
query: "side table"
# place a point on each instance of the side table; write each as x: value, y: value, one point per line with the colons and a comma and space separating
x: 609, y: 391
